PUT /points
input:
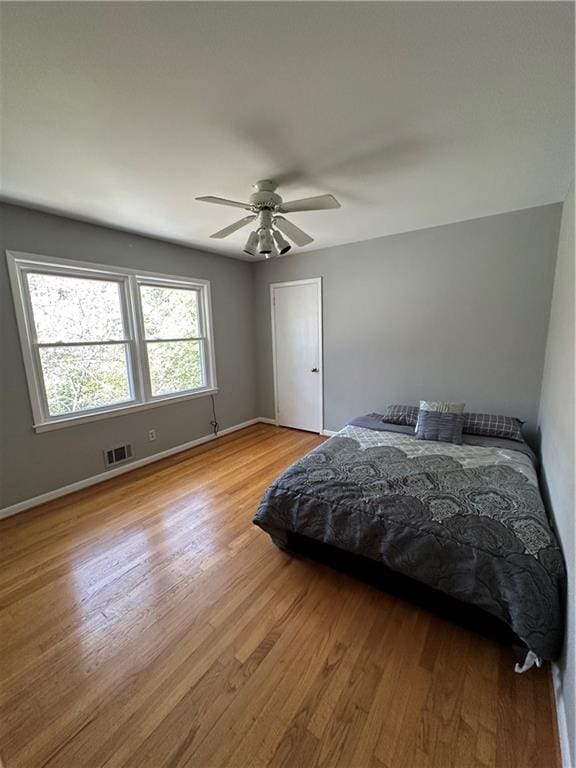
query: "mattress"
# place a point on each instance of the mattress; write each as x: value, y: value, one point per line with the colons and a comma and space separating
x: 467, y: 520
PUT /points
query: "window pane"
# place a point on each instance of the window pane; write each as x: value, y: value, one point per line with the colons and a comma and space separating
x: 175, y: 366
x: 75, y: 309
x: 169, y: 313
x: 80, y: 378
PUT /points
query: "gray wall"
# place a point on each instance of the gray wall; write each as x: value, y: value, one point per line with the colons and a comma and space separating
x: 557, y: 425
x: 457, y: 312
x: 35, y: 463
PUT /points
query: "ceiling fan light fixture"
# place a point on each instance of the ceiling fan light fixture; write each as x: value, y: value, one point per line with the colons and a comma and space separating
x: 272, y: 229
x: 265, y: 242
x: 251, y: 247
x: 283, y: 244
x: 273, y: 252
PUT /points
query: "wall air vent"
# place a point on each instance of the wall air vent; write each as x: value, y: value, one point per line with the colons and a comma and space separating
x: 118, y: 455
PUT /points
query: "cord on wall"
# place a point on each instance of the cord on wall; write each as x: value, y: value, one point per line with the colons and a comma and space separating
x: 214, y: 423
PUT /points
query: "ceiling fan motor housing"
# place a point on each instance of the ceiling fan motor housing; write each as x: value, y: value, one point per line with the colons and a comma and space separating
x: 265, y: 200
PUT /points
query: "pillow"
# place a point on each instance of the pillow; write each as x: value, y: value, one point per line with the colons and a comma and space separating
x: 401, y: 414
x: 441, y: 406
x: 486, y: 424
x: 440, y: 421
x: 443, y: 427
x: 493, y: 426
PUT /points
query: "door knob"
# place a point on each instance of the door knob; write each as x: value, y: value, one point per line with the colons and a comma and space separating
x: 315, y: 370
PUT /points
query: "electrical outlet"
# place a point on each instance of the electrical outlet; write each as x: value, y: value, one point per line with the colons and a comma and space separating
x: 151, y: 434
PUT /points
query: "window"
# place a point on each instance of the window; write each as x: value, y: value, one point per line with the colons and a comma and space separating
x: 174, y: 340
x: 99, y: 341
x: 80, y: 342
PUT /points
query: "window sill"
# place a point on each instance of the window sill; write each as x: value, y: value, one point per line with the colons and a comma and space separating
x: 122, y: 410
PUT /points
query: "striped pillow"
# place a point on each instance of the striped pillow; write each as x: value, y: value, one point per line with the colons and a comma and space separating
x: 491, y: 425
x: 444, y: 427
x: 440, y: 421
x: 441, y: 406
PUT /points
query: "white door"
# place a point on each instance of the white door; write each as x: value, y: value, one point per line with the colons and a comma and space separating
x: 297, y: 341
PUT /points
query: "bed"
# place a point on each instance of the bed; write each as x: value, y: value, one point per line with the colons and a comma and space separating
x: 467, y: 520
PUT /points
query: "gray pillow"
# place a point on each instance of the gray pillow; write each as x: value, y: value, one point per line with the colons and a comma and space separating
x: 441, y: 406
x: 442, y: 426
x: 493, y: 426
x: 401, y: 414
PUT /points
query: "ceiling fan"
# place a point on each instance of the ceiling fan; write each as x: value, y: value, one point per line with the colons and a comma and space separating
x: 267, y: 207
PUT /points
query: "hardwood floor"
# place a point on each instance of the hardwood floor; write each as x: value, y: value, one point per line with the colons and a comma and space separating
x: 146, y: 623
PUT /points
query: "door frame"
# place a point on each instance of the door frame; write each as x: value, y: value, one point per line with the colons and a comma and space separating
x: 317, y: 281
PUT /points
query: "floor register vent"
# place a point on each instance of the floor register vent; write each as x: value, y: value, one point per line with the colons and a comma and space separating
x: 118, y: 455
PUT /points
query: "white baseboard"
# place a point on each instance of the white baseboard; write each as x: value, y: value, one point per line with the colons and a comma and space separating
x: 100, y: 478
x: 326, y: 432
x: 562, y: 719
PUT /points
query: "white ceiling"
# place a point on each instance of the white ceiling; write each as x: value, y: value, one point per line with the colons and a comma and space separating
x: 412, y: 114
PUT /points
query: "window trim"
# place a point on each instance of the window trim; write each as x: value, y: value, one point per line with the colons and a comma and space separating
x: 20, y: 263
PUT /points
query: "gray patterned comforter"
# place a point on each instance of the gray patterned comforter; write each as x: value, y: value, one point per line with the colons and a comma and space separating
x: 467, y: 520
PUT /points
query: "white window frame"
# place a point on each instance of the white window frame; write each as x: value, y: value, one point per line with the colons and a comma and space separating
x: 142, y: 280
x: 19, y: 264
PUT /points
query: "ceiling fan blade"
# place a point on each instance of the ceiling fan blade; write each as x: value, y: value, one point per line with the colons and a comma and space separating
x: 233, y: 227
x: 292, y: 231
x: 224, y: 201
x: 319, y: 203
